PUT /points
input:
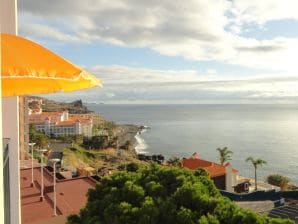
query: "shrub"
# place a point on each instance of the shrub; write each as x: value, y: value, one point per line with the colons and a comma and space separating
x: 278, y: 180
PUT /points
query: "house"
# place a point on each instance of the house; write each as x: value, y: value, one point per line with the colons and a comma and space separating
x: 243, y: 186
x: 224, y: 176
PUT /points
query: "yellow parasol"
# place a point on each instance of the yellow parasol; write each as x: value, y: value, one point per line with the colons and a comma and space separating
x: 28, y: 68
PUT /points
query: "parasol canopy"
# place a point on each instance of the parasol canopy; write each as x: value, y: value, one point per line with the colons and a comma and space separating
x: 29, y: 68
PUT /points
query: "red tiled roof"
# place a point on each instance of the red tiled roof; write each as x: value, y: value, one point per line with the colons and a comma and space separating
x: 66, y: 123
x: 55, y: 117
x: 85, y: 121
x: 214, y: 169
x: 71, y: 122
x: 46, y: 114
x: 52, y: 116
x: 37, y: 122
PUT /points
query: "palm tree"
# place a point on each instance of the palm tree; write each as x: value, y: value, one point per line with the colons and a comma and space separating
x: 256, y: 163
x: 224, y: 155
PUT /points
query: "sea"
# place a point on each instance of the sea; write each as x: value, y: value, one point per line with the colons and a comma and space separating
x: 268, y: 132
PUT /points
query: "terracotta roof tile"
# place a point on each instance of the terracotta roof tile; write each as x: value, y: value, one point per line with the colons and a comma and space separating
x: 66, y: 123
x: 37, y: 122
x: 214, y: 169
x: 46, y: 114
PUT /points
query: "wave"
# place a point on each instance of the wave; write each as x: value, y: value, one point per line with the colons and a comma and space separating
x: 141, y: 146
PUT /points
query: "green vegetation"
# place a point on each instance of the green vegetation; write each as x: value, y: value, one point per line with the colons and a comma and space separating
x: 174, y: 161
x: 224, y: 155
x: 103, y: 136
x: 75, y: 139
x: 78, y: 156
x: 279, y: 180
x: 38, y: 154
x: 202, y: 172
x: 168, y: 195
x: 98, y: 142
x: 256, y: 163
x: 39, y: 138
x: 108, y: 126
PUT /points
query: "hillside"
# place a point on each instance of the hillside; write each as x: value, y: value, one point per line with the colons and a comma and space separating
x: 75, y: 107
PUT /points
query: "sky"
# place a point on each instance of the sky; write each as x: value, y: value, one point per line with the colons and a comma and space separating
x: 195, y: 51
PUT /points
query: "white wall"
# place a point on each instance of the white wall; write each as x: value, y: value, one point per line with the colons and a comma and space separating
x: 10, y: 117
x: 10, y: 129
x: 8, y: 13
x: 64, y: 116
x: 1, y: 144
x: 229, y: 178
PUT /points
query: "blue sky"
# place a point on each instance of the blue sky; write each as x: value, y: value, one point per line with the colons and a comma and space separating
x: 214, y: 51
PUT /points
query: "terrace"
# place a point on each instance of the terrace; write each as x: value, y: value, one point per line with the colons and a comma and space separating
x: 70, y: 199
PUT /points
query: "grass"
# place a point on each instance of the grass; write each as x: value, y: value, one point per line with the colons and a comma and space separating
x: 109, y: 159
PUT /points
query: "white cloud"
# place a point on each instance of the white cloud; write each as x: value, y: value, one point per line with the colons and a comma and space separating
x: 37, y: 31
x: 196, y: 29
x: 127, y: 75
x: 277, y: 54
x: 265, y: 10
x: 141, y: 85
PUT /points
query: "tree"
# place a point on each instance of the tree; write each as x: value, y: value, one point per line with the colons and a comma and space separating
x: 174, y: 161
x: 278, y: 180
x: 202, y: 172
x: 105, y: 128
x: 156, y: 194
x: 96, y: 142
x: 224, y: 155
x: 256, y: 163
x: 78, y: 139
x: 39, y: 138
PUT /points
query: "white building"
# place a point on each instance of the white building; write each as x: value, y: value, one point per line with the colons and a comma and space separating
x: 61, y: 124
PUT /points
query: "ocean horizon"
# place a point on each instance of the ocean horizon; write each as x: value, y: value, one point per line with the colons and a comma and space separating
x: 264, y: 131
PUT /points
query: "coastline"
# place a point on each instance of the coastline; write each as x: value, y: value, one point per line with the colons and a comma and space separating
x: 133, y: 134
x: 125, y: 149
x: 204, y: 129
x: 141, y: 146
x: 130, y: 140
x: 127, y: 133
x: 124, y: 132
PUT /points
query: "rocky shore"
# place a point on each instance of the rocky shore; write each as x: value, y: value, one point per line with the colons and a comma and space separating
x: 125, y: 133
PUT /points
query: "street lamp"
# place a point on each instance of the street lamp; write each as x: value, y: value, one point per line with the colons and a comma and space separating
x: 42, y: 185
x: 31, y: 144
x: 54, y: 161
